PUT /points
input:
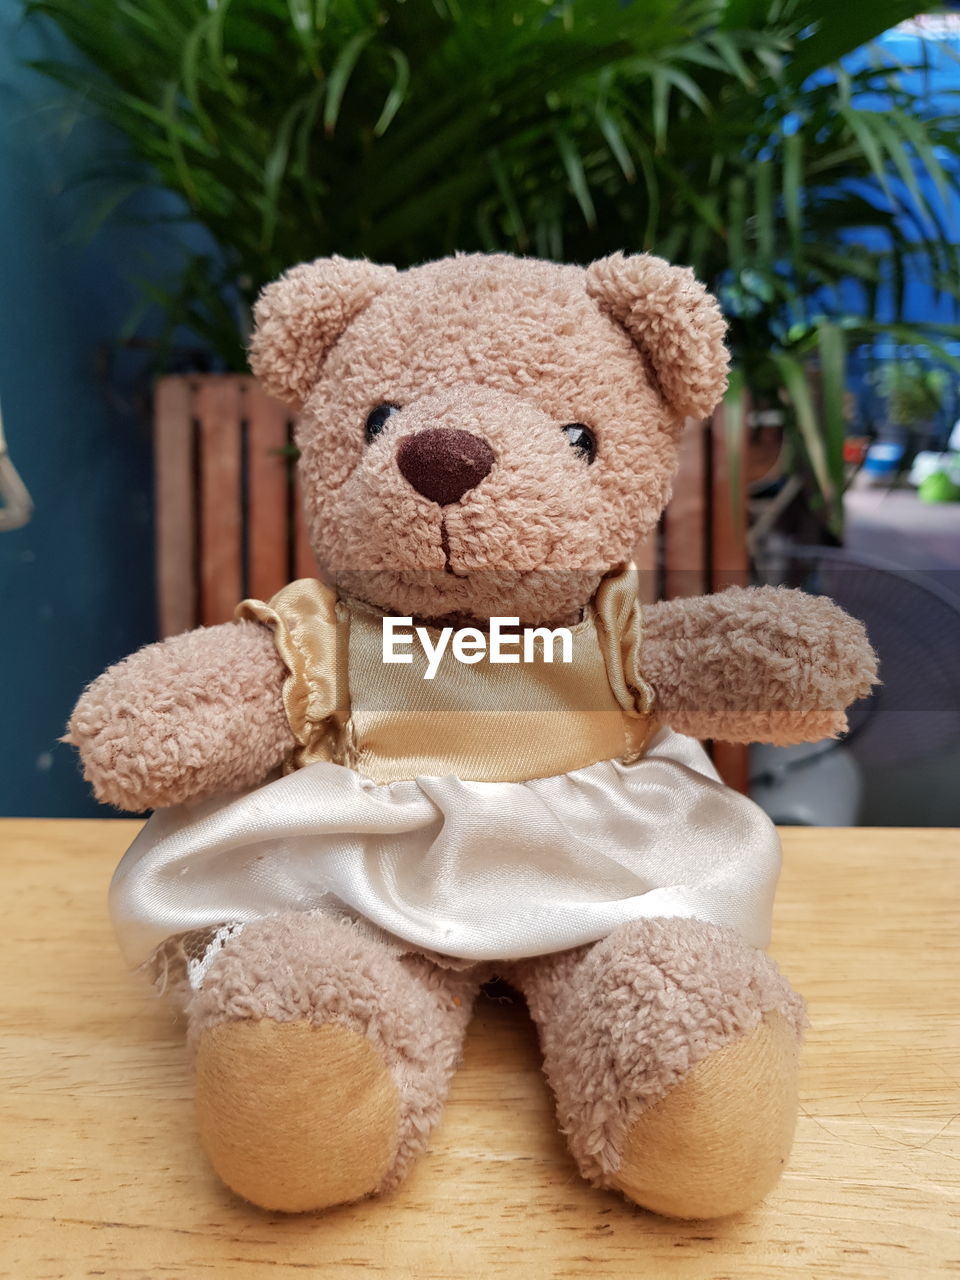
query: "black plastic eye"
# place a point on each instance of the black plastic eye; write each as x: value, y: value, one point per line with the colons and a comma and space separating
x: 582, y: 439
x: 377, y: 419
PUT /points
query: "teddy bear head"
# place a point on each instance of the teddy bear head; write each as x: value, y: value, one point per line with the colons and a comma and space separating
x: 486, y: 435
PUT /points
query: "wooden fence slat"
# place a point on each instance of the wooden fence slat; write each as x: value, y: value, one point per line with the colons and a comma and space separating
x: 732, y: 761
x: 268, y: 514
x: 729, y: 562
x: 219, y: 411
x: 174, y: 516
x: 685, y: 519
x: 646, y: 559
x: 304, y: 561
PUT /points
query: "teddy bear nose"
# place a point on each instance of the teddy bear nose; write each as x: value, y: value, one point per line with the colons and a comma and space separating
x: 444, y: 464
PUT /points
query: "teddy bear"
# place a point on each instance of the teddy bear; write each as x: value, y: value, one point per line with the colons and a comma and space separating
x: 344, y: 849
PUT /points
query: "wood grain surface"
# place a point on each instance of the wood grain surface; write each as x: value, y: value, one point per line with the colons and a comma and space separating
x: 100, y: 1174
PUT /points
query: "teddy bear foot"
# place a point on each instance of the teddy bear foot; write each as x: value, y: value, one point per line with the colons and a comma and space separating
x: 672, y: 1047
x: 719, y: 1141
x: 322, y: 1060
x: 294, y: 1116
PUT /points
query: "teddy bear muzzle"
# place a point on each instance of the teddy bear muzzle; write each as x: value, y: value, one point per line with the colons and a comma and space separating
x: 444, y: 463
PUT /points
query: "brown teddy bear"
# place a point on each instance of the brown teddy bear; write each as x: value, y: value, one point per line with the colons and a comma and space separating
x: 368, y: 802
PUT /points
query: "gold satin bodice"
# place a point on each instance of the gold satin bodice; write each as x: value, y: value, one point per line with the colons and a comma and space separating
x: 486, y: 721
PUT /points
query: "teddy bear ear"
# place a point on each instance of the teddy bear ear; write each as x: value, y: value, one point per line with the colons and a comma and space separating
x: 299, y: 317
x: 676, y: 324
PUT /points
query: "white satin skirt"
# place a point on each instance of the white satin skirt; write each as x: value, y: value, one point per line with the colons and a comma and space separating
x: 471, y: 871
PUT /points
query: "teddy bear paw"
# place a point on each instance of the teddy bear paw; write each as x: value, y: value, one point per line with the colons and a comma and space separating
x: 295, y: 1116
x: 672, y: 1047
x: 322, y: 1060
x: 718, y: 1141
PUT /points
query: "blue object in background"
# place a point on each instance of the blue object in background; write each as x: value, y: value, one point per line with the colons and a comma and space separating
x: 883, y: 458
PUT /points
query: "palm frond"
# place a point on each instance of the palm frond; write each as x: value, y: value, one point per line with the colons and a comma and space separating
x: 719, y: 132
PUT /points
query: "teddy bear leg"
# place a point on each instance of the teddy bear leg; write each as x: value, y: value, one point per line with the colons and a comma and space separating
x: 672, y: 1048
x: 322, y: 1060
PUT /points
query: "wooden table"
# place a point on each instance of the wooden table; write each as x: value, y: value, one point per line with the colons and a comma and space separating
x: 100, y: 1174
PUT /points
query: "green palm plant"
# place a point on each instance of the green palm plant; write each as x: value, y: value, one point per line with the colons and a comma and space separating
x: 722, y: 133
x: 913, y: 393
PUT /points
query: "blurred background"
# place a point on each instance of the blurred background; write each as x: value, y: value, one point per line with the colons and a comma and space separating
x: 163, y: 159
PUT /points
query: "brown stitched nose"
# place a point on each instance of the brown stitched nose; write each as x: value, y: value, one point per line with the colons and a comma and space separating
x: 444, y: 464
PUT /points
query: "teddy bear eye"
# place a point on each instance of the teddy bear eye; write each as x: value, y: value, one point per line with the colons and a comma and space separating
x: 377, y: 419
x: 582, y: 439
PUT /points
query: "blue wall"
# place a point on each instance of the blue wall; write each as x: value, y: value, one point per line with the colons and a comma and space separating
x: 76, y: 585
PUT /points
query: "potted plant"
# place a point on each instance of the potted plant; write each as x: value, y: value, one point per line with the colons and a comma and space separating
x: 726, y: 134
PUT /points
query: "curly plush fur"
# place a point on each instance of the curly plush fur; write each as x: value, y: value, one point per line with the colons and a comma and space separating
x: 192, y: 715
x: 759, y: 664
x: 623, y: 1022
x: 509, y: 350
x: 674, y: 322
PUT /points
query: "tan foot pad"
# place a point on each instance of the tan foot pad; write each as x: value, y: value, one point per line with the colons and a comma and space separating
x: 295, y: 1116
x: 718, y: 1142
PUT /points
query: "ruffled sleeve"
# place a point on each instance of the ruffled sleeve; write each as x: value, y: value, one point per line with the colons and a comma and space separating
x: 619, y: 622
x: 311, y: 634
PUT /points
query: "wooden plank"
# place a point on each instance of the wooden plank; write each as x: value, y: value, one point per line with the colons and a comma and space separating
x: 175, y: 505
x: 730, y: 564
x: 685, y: 519
x: 304, y: 561
x: 268, y: 492
x: 646, y: 558
x: 729, y: 558
x: 732, y: 761
x: 103, y: 1174
x: 219, y: 412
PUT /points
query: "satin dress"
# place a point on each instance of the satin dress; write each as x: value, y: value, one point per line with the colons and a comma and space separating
x: 494, y: 812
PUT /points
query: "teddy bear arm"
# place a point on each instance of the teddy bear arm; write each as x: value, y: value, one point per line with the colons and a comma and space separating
x: 756, y: 664
x: 193, y: 715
